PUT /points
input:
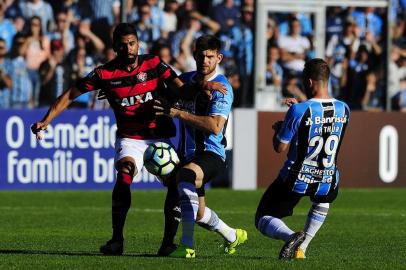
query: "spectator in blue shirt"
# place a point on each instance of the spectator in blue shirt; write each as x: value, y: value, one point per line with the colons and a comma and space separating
x: 76, y: 10
x: 192, y: 24
x: 243, y: 40
x: 62, y: 31
x: 104, y: 10
x: 7, y: 29
x: 335, y: 22
x: 13, y: 10
x: 157, y: 14
x: 104, y: 14
x: 274, y: 71
x: 21, y: 91
x: 227, y: 15
x: 147, y: 31
x: 5, y: 79
x: 243, y: 45
x: 368, y: 21
x: 41, y: 9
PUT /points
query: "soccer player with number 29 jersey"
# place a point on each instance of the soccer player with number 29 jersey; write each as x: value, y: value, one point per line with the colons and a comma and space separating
x: 130, y: 83
x: 314, y: 129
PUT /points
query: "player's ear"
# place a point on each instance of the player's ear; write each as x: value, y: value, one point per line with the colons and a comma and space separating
x: 219, y: 57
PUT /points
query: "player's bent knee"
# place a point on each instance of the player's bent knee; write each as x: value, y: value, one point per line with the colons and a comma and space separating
x: 126, y: 172
x: 130, y: 166
x: 200, y: 214
x: 186, y: 175
x: 127, y: 167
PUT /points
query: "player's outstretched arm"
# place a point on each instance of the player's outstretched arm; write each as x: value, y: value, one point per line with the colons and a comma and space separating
x: 211, y: 124
x: 62, y: 102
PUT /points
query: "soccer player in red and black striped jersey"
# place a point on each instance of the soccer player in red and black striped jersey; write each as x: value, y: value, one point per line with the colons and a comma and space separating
x: 130, y: 83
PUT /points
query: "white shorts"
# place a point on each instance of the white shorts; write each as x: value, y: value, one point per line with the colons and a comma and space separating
x: 126, y: 147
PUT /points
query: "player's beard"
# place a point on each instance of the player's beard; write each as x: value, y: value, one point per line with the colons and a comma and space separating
x: 127, y: 60
x: 206, y: 70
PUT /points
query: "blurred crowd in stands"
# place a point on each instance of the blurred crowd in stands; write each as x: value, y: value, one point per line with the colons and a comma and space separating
x: 46, y: 45
x: 356, y: 51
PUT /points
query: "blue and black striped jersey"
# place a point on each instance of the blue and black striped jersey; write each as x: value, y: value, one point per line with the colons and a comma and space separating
x: 315, y: 130
x: 197, y: 140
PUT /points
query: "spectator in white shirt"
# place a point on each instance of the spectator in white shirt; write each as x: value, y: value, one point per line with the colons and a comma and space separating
x: 294, y: 47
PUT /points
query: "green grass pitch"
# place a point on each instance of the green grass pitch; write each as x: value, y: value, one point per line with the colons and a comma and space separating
x: 365, y: 229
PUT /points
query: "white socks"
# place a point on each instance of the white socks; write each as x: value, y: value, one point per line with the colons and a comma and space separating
x: 212, y: 222
x: 315, y: 219
x: 274, y: 227
x: 277, y: 229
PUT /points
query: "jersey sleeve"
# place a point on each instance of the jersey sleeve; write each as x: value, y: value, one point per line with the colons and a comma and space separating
x: 90, y: 82
x: 165, y: 72
x: 220, y: 103
x: 290, y: 125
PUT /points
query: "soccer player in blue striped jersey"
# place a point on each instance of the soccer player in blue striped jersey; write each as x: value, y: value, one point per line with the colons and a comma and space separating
x: 313, y: 131
x: 205, y: 121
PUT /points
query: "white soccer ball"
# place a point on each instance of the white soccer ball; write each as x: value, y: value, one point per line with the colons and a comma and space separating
x: 160, y: 159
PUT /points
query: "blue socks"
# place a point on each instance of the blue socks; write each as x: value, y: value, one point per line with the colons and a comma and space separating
x: 189, y: 204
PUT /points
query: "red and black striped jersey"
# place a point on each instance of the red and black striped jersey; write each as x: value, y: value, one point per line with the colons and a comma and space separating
x: 131, y: 95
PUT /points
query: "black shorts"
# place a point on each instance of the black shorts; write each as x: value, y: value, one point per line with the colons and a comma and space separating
x: 211, y: 165
x: 279, y: 200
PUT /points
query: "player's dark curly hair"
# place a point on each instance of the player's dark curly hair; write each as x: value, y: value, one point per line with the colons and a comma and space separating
x: 316, y: 69
x: 123, y: 29
x: 207, y: 42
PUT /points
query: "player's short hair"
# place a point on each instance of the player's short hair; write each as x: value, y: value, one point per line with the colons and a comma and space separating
x: 123, y: 29
x: 207, y: 42
x: 316, y: 69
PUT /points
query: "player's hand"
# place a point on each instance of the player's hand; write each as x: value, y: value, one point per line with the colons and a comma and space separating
x: 277, y: 126
x: 101, y: 95
x: 214, y: 86
x: 163, y: 107
x: 36, y: 129
x: 289, y: 101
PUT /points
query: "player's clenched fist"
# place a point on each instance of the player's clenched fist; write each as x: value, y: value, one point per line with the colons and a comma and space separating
x: 36, y: 129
